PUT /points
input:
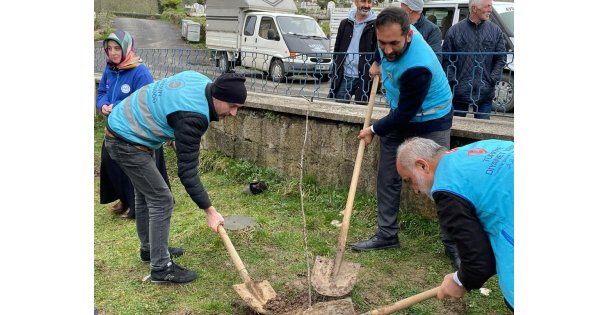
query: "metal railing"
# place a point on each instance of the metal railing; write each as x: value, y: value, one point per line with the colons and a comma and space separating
x: 311, y: 76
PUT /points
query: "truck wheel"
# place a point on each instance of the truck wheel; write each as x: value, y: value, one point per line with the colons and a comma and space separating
x: 503, y: 95
x: 223, y: 63
x: 276, y: 71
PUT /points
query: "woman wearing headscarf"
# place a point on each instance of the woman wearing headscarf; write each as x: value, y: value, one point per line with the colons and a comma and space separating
x: 125, y: 73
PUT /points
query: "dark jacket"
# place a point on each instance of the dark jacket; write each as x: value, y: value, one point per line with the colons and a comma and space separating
x: 463, y: 70
x: 189, y: 128
x: 465, y: 229
x: 430, y: 32
x: 367, y: 46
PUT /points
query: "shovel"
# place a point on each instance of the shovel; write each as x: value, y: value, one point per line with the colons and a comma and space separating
x: 405, y: 303
x: 255, y: 293
x: 335, y: 277
x: 345, y: 306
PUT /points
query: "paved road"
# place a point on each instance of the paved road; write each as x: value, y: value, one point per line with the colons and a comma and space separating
x: 152, y: 33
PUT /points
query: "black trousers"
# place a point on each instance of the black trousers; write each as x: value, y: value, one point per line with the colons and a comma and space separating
x: 388, y: 186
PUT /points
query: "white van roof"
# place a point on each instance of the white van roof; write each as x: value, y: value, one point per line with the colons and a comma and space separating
x: 232, y: 7
x: 228, y: 15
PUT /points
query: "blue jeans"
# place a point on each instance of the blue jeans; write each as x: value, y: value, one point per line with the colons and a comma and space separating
x: 153, y: 199
x: 482, y: 110
x: 347, y: 89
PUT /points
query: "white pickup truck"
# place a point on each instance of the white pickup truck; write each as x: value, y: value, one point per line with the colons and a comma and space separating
x: 266, y: 35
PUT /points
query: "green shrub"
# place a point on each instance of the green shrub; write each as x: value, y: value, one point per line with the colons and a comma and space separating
x: 103, y: 20
x: 102, y: 25
x: 325, y: 28
x: 170, y: 4
x: 322, y: 4
x: 173, y: 16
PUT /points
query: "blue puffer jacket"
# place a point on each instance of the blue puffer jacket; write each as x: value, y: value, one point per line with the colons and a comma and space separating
x: 463, y: 71
x: 115, y: 85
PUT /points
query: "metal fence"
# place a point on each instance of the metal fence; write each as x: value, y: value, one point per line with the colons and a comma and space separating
x: 311, y: 76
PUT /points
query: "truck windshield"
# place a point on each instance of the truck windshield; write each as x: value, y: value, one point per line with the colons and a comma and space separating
x: 299, y: 26
x: 507, y: 16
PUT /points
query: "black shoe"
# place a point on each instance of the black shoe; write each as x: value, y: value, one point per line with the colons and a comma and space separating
x: 454, y: 258
x: 376, y: 242
x: 173, y: 252
x: 172, y: 273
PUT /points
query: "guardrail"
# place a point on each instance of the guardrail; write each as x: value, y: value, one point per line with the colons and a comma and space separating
x: 311, y: 76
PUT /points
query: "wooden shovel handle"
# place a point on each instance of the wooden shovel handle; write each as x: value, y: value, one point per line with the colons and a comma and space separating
x: 407, y: 302
x: 353, y: 184
x: 372, y: 100
x: 233, y: 254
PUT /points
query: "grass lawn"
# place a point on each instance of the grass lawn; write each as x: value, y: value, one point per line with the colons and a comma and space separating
x: 273, y: 251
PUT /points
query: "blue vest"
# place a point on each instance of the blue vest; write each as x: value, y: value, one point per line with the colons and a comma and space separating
x: 438, y: 101
x: 482, y: 173
x: 142, y: 117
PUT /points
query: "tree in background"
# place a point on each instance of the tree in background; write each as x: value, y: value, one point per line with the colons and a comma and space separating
x: 170, y: 4
x: 322, y: 4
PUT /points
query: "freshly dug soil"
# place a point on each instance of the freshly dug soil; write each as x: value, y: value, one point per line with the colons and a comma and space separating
x: 294, y: 299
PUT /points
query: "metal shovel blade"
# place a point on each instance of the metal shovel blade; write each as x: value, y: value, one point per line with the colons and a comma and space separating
x: 256, y: 294
x: 325, y: 284
x: 337, y: 307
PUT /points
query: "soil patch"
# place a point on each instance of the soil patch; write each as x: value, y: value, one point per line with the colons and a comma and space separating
x: 294, y: 299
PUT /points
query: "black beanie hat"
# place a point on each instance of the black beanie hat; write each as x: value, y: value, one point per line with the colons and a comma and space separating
x: 230, y: 87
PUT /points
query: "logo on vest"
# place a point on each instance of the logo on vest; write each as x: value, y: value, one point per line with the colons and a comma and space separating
x: 125, y: 88
x: 175, y: 84
x: 476, y: 151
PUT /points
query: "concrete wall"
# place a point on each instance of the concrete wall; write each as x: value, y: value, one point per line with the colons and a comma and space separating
x: 269, y: 130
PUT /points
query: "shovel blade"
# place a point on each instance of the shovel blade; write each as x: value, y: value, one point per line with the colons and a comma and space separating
x: 256, y: 294
x: 337, y: 307
x: 341, y: 284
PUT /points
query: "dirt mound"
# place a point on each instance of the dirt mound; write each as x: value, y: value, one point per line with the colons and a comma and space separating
x: 294, y: 300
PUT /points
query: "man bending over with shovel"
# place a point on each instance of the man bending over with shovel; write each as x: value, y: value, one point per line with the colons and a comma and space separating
x: 472, y: 187
x: 178, y: 108
x: 420, y: 99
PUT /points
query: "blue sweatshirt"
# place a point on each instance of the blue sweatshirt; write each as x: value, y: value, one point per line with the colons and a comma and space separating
x: 115, y: 85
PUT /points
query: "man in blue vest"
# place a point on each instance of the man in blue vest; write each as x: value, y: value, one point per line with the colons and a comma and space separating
x: 472, y: 187
x: 178, y: 108
x: 420, y: 99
